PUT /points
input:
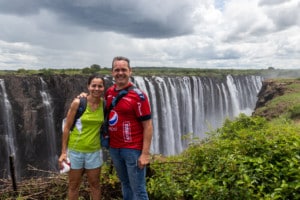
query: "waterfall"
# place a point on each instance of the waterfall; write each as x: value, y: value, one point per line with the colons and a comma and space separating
x: 234, y: 95
x: 49, y: 127
x: 8, y: 134
x: 146, y: 85
x: 183, y: 110
x: 188, y: 107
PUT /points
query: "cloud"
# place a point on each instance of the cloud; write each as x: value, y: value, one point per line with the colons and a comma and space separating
x: 284, y: 14
x: 190, y: 33
x: 15, y: 53
x: 20, y: 7
x: 272, y: 2
x: 143, y: 18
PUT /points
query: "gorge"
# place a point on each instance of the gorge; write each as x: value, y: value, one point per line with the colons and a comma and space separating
x: 183, y: 108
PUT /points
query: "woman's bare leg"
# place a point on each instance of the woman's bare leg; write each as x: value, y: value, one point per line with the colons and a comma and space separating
x: 93, y: 176
x: 75, y: 176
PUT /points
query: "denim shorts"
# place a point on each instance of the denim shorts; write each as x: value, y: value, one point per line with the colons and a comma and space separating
x: 81, y: 160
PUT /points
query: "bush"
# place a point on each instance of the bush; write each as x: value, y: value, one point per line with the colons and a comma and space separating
x: 249, y: 158
x: 295, y: 112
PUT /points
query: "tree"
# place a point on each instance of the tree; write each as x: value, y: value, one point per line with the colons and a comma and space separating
x: 95, y: 67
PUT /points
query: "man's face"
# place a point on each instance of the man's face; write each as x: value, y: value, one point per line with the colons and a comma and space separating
x: 121, y: 73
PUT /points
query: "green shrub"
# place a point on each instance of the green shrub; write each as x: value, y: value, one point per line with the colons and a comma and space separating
x: 248, y: 158
x: 46, y: 72
x: 295, y: 112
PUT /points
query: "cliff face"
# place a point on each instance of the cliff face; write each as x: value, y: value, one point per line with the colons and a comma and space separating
x: 31, y: 125
x: 277, y: 97
x: 30, y: 117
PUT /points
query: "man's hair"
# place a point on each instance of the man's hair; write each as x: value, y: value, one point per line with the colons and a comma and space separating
x: 117, y: 58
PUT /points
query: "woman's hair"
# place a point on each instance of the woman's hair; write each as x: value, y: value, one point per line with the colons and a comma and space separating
x: 93, y: 76
x: 117, y: 58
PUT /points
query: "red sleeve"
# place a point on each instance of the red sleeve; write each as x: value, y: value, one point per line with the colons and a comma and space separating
x: 142, y: 107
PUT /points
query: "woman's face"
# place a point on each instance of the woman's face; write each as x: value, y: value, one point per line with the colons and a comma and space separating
x: 96, y: 87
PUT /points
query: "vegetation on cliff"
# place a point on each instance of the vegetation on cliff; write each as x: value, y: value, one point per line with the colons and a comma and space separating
x: 248, y: 158
x: 160, y: 71
x: 279, y: 98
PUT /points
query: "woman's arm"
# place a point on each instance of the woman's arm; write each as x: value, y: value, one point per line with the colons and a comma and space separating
x: 66, y: 129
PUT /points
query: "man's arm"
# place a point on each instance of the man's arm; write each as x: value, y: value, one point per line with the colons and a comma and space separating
x: 147, y: 138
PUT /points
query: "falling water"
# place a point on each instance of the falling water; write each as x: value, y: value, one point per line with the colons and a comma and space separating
x: 188, y: 107
x: 49, y: 127
x: 183, y: 108
x: 8, y: 133
x: 146, y: 85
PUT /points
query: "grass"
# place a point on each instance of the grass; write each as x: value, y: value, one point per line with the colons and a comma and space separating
x: 284, y: 99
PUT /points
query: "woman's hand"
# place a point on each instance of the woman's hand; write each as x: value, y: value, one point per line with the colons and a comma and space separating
x: 62, y: 158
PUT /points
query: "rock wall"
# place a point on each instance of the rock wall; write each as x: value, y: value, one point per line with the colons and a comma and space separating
x: 30, y: 117
x: 270, y: 90
x: 182, y: 107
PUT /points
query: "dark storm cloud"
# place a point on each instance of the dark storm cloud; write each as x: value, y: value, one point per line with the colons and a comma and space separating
x: 20, y: 7
x: 143, y: 18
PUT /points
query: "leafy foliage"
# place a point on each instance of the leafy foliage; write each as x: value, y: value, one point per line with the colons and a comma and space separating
x: 295, y: 112
x: 248, y: 158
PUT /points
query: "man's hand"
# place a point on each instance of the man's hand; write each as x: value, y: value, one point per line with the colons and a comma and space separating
x: 82, y: 94
x: 144, y: 160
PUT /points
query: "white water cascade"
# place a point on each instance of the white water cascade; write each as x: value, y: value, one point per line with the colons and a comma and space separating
x: 188, y: 107
x: 183, y: 108
x: 8, y: 134
x: 49, y: 127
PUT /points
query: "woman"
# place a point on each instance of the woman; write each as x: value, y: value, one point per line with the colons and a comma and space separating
x: 82, y: 144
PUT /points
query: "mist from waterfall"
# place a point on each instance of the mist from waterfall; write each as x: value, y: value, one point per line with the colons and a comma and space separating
x: 187, y: 107
x: 8, y: 134
x: 49, y: 127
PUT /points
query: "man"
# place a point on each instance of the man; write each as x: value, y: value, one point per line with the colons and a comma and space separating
x: 130, y: 130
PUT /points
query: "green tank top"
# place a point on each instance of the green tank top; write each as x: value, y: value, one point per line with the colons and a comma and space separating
x: 85, y: 136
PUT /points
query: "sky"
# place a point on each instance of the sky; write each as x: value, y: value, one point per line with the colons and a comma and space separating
x: 223, y: 34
